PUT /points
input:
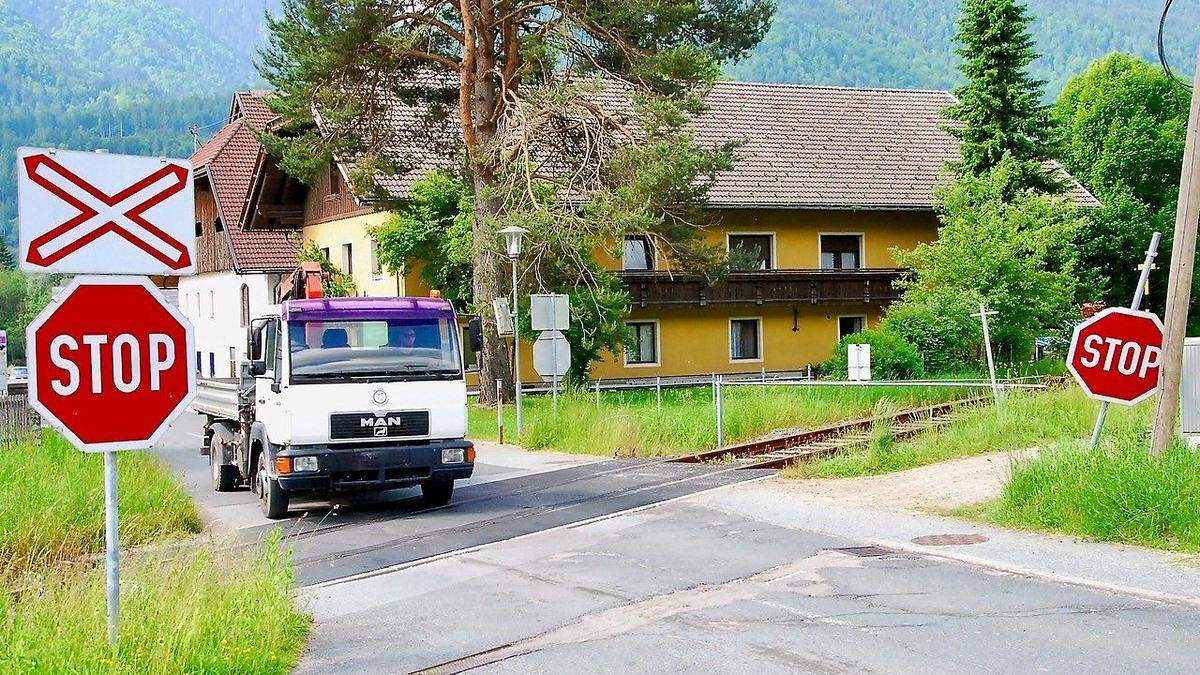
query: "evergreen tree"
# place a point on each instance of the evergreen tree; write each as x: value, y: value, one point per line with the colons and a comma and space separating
x: 7, y: 260
x: 999, y: 111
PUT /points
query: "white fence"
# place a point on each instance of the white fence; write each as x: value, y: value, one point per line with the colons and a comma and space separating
x: 18, y: 421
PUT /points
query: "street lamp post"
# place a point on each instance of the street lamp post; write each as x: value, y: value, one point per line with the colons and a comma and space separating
x: 512, y: 244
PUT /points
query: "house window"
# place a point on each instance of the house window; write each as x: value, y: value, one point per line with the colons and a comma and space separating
x: 643, y: 351
x: 325, y: 253
x: 470, y: 358
x: 745, y: 339
x: 199, y: 363
x: 347, y: 259
x: 749, y: 252
x: 199, y: 229
x: 376, y: 265
x: 841, y: 251
x: 849, y: 325
x: 245, y: 305
x: 212, y: 364
x: 638, y: 253
x: 218, y: 225
x: 335, y: 179
x: 212, y: 304
x: 233, y: 371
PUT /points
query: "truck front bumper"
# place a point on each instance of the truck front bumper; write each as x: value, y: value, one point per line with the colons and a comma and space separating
x: 356, y: 468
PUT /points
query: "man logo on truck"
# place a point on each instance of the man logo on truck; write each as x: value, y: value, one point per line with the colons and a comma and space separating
x: 380, y: 423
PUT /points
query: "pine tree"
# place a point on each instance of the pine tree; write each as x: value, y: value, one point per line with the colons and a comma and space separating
x: 1000, y: 111
x: 7, y: 260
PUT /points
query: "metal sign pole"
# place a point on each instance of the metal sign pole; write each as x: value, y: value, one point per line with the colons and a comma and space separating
x: 720, y: 411
x: 500, y: 410
x: 113, y: 548
x: 516, y: 346
x: 987, y: 343
x: 554, y: 376
x: 1138, y: 294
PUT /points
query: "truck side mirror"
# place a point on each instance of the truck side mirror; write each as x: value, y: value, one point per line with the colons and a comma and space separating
x: 254, y: 336
x: 475, y: 334
x: 258, y: 368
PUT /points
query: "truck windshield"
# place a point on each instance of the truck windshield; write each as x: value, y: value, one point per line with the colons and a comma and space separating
x: 403, y: 349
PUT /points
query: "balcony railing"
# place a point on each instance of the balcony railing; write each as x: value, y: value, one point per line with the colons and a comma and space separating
x: 770, y: 287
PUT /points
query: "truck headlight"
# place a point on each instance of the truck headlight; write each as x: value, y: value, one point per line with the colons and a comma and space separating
x: 304, y: 464
x: 453, y: 456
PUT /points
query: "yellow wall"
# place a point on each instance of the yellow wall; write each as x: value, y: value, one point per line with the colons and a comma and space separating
x: 354, y: 231
x: 797, y: 233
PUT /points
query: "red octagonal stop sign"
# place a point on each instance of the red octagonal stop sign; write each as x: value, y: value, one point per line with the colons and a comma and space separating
x: 108, y: 363
x: 1115, y: 355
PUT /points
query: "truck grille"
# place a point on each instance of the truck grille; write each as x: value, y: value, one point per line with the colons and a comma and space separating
x: 371, y: 425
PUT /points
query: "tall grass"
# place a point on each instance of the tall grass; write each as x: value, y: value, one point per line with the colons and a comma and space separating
x: 1117, y: 492
x: 1026, y: 419
x: 52, y: 504
x: 204, y: 612
x: 630, y: 424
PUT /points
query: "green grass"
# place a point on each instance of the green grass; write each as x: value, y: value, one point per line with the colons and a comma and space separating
x: 52, y: 504
x: 630, y: 424
x: 194, y: 606
x: 1026, y: 419
x: 205, y: 611
x: 1117, y: 493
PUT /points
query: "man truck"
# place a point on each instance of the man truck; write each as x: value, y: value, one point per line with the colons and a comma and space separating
x: 341, y: 395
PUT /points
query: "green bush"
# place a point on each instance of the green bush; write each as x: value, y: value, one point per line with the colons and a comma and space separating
x: 892, y: 357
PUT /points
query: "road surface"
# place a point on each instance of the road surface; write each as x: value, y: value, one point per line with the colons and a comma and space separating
x: 549, y: 564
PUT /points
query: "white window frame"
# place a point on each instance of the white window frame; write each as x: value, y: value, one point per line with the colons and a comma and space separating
x: 212, y: 304
x: 326, y: 253
x: 862, y: 247
x: 774, y: 242
x: 376, y: 268
x: 849, y: 316
x: 729, y: 338
x: 347, y: 266
x: 657, y: 346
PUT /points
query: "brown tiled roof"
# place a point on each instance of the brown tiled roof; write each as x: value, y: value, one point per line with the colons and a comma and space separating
x: 229, y: 158
x: 805, y: 147
x: 254, y: 109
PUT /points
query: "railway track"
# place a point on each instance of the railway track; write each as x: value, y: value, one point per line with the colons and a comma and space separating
x: 777, y: 452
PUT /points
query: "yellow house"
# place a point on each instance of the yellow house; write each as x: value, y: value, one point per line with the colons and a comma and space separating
x: 827, y: 183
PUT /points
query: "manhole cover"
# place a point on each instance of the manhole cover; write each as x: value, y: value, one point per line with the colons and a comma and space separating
x: 949, y: 539
x: 865, y: 551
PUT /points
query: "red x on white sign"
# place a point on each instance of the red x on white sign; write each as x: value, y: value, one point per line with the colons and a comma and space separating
x: 83, y: 212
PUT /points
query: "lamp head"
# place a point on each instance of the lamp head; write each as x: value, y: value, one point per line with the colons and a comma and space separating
x: 512, y: 240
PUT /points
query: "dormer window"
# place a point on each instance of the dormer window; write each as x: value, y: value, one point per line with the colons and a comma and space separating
x: 218, y: 226
x: 335, y: 179
x: 199, y: 229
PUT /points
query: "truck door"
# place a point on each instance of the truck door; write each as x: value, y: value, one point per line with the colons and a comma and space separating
x: 267, y: 386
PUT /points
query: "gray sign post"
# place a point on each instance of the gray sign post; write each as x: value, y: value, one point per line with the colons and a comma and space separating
x: 551, y: 314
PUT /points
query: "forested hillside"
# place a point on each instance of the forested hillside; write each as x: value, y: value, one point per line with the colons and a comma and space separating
x: 133, y: 75
x: 906, y: 43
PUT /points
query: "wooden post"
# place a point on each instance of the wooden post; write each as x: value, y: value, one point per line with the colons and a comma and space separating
x: 1179, y: 284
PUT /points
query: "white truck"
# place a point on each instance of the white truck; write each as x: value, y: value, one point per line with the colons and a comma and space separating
x: 342, y: 394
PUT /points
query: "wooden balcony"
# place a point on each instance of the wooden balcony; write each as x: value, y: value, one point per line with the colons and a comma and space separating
x: 771, y: 287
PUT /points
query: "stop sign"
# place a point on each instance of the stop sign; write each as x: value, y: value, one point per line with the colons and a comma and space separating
x: 108, y: 363
x: 1115, y: 355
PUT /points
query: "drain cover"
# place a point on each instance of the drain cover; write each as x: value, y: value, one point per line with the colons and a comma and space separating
x: 865, y: 551
x: 949, y: 539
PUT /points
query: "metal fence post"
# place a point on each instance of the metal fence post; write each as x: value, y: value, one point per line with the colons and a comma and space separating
x: 658, y: 392
x: 597, y: 393
x: 717, y: 397
x: 764, y: 375
x: 500, y: 409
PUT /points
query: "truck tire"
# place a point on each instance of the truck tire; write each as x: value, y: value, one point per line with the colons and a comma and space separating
x: 271, y: 497
x: 437, y: 492
x: 224, y: 476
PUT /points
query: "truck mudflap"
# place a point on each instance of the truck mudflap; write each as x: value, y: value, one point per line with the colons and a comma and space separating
x: 372, y: 467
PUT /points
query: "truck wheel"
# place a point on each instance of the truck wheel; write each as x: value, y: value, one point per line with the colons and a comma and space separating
x: 437, y: 492
x: 224, y: 476
x: 271, y: 497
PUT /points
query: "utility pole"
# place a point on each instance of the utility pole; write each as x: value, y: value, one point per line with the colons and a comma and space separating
x: 1179, y: 285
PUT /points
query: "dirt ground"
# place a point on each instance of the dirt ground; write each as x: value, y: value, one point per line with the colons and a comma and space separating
x: 937, y: 487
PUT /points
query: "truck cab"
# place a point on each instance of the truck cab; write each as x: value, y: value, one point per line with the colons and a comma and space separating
x: 345, y: 394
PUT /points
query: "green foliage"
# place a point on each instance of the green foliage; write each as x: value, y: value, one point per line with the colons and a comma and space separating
x: 209, y: 610
x: 892, y: 356
x: 432, y: 230
x: 1124, y: 126
x: 1012, y: 252
x: 632, y: 425
x: 999, y: 111
x: 1117, y: 492
x: 49, y: 513
x: 22, y: 296
x: 335, y: 284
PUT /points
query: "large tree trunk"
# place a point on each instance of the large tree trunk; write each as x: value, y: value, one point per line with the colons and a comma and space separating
x: 489, y: 267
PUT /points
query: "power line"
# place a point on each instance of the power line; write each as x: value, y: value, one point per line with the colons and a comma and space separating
x: 1162, y: 52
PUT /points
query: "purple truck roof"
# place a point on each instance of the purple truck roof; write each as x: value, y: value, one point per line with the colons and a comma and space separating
x: 346, y: 309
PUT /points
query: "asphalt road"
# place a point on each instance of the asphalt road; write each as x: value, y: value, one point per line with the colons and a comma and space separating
x: 546, y: 564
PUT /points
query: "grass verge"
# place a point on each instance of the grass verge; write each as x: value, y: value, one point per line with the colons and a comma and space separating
x: 189, y: 607
x: 1026, y: 419
x: 1117, y: 493
x: 629, y: 423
